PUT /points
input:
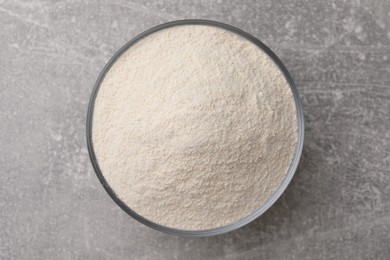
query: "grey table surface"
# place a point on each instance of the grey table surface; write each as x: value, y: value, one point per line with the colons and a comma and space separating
x: 52, y: 206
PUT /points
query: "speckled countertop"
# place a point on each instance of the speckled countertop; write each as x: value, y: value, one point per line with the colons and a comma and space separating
x: 53, y: 207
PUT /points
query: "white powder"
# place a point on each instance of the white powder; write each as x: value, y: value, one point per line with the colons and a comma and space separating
x: 194, y: 127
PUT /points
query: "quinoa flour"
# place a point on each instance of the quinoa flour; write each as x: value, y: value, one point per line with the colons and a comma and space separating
x: 194, y: 127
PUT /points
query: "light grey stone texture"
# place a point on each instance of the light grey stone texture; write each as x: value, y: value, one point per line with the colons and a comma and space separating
x: 52, y: 205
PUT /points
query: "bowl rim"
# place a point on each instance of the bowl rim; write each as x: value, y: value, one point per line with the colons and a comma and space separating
x: 243, y: 221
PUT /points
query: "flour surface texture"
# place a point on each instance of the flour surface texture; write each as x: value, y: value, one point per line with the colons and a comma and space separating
x: 194, y: 127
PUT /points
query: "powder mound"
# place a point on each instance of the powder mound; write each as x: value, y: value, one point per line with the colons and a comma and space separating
x: 194, y: 127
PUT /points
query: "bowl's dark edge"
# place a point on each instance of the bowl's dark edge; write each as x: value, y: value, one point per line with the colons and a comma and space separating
x: 243, y: 221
